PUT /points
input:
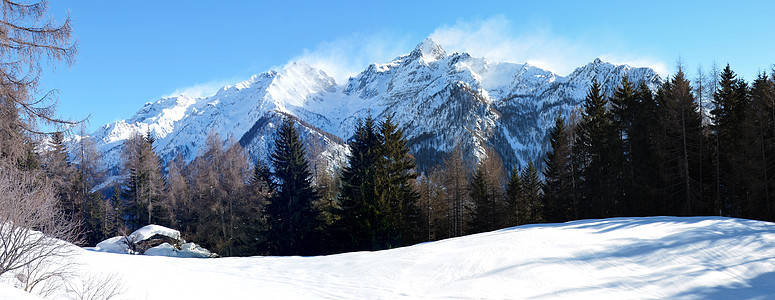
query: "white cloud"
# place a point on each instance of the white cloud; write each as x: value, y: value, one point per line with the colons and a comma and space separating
x: 497, y: 39
x: 347, y: 56
x: 201, y: 90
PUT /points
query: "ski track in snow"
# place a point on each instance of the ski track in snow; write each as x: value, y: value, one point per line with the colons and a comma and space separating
x: 619, y: 258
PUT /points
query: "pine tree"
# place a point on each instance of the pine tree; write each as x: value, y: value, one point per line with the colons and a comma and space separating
x: 63, y: 175
x: 144, y: 185
x: 397, y: 197
x: 730, y: 102
x: 359, y: 215
x: 114, y: 221
x: 642, y: 140
x: 261, y: 173
x: 328, y: 185
x: 760, y: 124
x: 514, y: 198
x: 681, y: 128
x: 488, y: 211
x: 558, y: 174
x: 531, y: 208
x: 482, y: 210
x: 87, y: 162
x: 292, y: 221
x: 599, y: 154
x: 624, y: 112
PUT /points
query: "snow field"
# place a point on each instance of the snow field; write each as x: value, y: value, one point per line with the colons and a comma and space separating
x: 620, y: 258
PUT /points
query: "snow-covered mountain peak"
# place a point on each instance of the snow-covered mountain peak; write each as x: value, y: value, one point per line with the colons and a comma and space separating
x: 231, y: 89
x: 297, y: 82
x: 439, y: 100
x: 429, y: 50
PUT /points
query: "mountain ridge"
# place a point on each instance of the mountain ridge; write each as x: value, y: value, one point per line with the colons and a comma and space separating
x: 440, y: 100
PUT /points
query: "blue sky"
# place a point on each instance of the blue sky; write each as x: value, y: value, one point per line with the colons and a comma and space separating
x: 132, y: 53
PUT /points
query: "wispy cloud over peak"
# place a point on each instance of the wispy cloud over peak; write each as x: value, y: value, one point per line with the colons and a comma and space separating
x: 498, y: 39
x: 347, y: 56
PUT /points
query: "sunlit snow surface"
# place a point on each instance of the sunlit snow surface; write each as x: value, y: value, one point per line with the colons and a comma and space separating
x: 621, y: 258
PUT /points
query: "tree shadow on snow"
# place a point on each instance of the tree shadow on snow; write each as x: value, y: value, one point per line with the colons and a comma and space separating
x: 759, y: 287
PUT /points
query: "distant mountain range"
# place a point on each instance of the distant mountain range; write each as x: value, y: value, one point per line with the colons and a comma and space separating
x: 439, y: 99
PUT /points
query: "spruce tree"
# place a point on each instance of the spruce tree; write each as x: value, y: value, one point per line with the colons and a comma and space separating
x: 531, y: 208
x: 681, y: 135
x: 144, y: 185
x: 292, y: 221
x: 397, y: 197
x: 624, y: 112
x: 760, y: 123
x: 114, y: 207
x: 64, y: 177
x: 641, y: 141
x: 360, y: 218
x: 557, y: 174
x: 514, y: 197
x: 599, y: 151
x: 730, y: 102
x: 482, y: 214
x: 261, y: 173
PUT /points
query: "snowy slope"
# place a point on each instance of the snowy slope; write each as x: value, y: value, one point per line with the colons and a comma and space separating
x: 620, y: 258
x: 440, y: 100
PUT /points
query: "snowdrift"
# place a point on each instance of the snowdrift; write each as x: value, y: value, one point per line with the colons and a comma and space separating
x: 620, y: 258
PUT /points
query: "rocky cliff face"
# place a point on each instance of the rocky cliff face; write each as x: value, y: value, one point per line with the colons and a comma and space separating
x: 439, y: 99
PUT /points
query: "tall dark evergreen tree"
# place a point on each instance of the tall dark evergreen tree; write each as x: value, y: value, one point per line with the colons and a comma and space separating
x: 558, y: 181
x: 641, y: 140
x: 730, y: 101
x: 489, y: 207
x: 531, y: 208
x: 262, y: 174
x: 62, y: 174
x: 397, y: 197
x: 292, y: 221
x: 680, y: 147
x: 599, y: 153
x: 360, y: 220
x: 144, y: 186
x: 761, y: 148
x: 483, y: 210
x: 624, y: 112
x: 514, y: 198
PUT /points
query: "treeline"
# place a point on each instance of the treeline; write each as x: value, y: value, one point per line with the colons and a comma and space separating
x: 689, y: 148
x: 221, y: 202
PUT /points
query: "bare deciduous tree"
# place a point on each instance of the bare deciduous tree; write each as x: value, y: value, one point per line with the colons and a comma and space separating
x: 456, y: 173
x: 32, y: 228
x: 101, y: 287
x: 28, y: 38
